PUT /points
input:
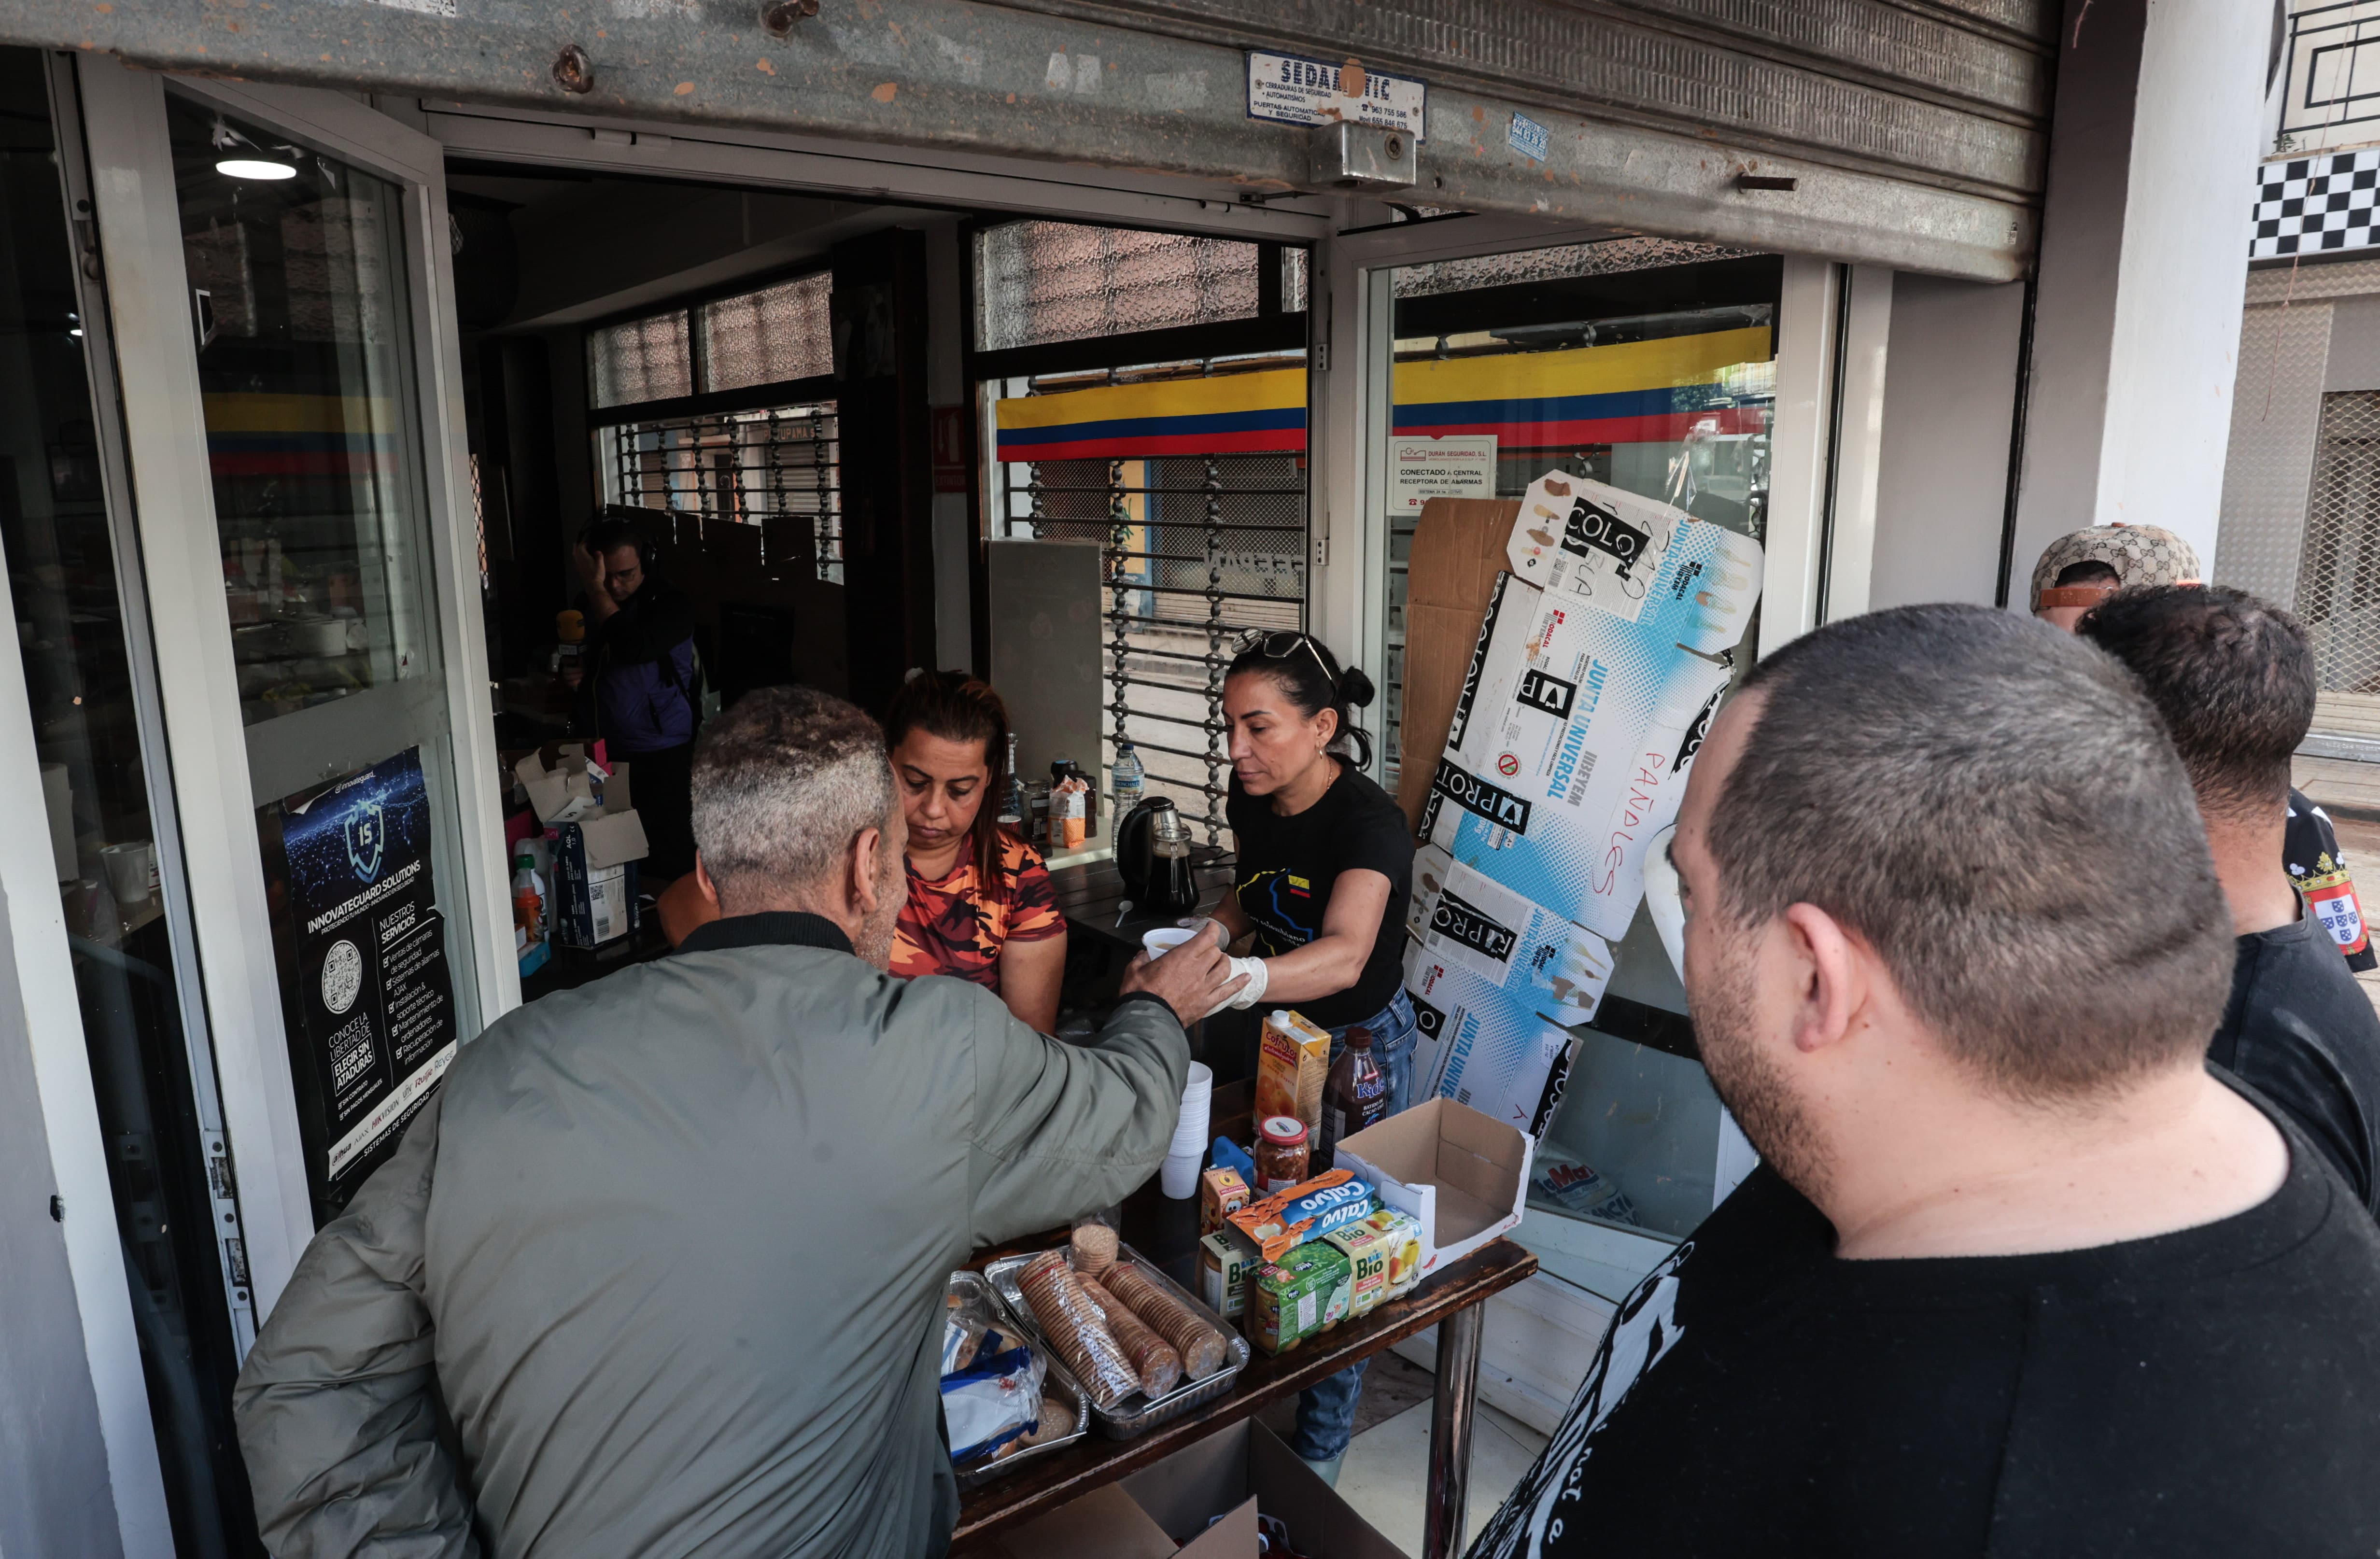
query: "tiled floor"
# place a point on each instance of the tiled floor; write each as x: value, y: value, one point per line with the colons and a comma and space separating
x: 1387, y: 1468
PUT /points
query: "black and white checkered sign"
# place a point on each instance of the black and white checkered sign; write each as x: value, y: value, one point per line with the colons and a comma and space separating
x: 2315, y: 205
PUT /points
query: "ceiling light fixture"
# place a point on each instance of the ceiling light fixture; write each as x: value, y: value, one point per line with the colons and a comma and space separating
x: 254, y: 167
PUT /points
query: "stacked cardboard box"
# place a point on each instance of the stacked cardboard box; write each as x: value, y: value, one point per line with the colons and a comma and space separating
x: 1604, y: 649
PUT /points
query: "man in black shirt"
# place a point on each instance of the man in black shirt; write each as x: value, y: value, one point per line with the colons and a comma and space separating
x: 2233, y: 680
x: 2019, y: 1276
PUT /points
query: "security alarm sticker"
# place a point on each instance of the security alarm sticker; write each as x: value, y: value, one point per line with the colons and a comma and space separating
x: 1447, y: 466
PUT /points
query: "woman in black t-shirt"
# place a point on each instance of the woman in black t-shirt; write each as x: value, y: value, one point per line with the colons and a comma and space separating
x: 1325, y: 872
x: 1325, y: 859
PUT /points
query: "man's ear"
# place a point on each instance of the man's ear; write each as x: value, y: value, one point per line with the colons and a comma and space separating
x: 702, y: 883
x: 865, y: 849
x: 1830, y: 971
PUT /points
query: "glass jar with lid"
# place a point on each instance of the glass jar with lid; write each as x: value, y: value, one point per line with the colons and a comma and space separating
x: 1282, y: 1151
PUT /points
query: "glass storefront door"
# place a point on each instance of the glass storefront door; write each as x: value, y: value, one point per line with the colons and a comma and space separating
x: 302, y: 322
x: 83, y: 634
x: 1629, y: 369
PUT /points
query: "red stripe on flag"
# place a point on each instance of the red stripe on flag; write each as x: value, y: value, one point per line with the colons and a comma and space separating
x: 1660, y: 428
x: 1260, y: 440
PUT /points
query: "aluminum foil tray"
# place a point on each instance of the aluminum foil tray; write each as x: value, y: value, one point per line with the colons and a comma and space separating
x: 1137, y: 1414
x: 1056, y: 1381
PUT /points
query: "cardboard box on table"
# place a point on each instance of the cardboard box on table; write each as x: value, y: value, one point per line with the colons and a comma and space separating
x: 1166, y: 1509
x: 597, y: 838
x: 1463, y: 1176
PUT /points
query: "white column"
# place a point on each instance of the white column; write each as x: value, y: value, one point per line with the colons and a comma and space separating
x: 1808, y: 319
x: 2144, y: 237
x: 1858, y: 440
x: 1347, y: 410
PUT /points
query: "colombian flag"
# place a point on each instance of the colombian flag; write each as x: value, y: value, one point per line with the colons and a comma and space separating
x: 299, y: 435
x: 1641, y: 392
x: 1228, y: 414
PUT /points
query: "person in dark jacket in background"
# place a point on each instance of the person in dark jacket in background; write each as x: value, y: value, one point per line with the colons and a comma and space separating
x: 2234, y: 679
x: 639, y: 692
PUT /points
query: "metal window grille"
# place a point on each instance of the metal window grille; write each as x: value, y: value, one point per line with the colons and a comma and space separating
x: 2338, y: 570
x: 2331, y: 82
x: 741, y: 466
x: 1199, y: 549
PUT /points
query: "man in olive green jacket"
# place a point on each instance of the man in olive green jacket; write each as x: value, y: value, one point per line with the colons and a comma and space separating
x: 671, y: 1248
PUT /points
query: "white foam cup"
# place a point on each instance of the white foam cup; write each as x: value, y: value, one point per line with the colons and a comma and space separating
x: 1165, y: 939
x: 1179, y: 1177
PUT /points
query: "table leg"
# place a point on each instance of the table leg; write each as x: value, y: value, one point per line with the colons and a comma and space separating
x: 1453, y: 1401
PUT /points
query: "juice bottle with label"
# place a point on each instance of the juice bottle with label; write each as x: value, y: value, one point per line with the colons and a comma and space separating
x: 1354, y: 1097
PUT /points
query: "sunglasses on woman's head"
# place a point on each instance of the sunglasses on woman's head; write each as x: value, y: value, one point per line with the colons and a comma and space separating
x: 1282, y: 645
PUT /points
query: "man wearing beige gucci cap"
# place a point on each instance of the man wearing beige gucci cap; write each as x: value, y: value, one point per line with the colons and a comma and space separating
x: 2082, y: 568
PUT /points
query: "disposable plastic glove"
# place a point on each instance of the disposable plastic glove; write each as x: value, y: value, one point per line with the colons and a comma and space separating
x: 1251, y: 993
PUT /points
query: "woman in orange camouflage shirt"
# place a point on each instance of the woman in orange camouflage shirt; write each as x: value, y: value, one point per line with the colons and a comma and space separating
x: 948, y: 732
x: 980, y: 904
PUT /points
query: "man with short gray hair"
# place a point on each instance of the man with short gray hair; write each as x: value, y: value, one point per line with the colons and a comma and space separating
x: 2017, y: 1276
x: 671, y: 1248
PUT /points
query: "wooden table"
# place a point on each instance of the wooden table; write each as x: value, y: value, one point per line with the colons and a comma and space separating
x: 1165, y: 1233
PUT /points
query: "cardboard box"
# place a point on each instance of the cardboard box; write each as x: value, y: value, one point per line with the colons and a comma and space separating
x: 1461, y: 917
x: 1226, y: 1262
x: 563, y: 784
x: 1483, y: 1046
x: 1568, y: 745
x: 1459, y: 549
x: 1221, y: 1192
x: 1163, y: 1510
x: 595, y: 878
x: 1463, y: 1176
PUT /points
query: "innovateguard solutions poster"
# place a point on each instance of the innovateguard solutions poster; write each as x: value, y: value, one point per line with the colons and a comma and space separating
x: 362, y: 952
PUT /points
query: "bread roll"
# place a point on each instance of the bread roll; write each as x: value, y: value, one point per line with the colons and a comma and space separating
x: 1158, y: 1362
x: 1074, y: 1328
x: 1202, y: 1347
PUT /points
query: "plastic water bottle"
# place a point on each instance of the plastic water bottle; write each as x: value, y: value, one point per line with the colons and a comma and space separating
x: 1012, y: 805
x: 1131, y: 779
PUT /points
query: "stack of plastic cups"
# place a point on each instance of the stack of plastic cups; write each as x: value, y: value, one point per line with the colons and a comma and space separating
x: 1179, y: 1178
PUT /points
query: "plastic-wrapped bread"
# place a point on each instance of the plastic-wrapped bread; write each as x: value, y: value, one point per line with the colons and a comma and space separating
x: 1074, y: 1328
x: 1095, y: 1249
x: 1159, y: 1361
x: 1057, y: 1422
x: 1201, y: 1347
